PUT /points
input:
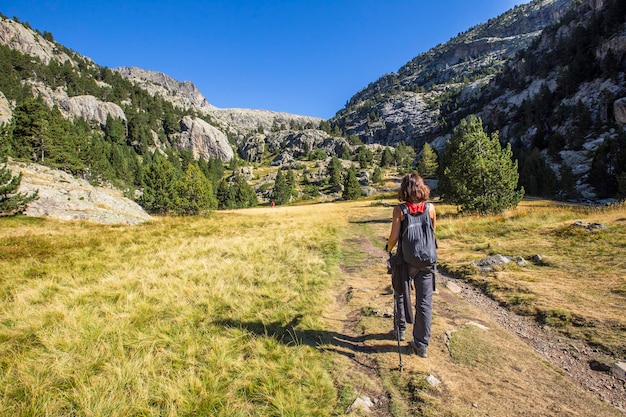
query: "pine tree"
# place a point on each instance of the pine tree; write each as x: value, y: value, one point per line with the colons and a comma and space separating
x: 244, y: 193
x: 334, y: 171
x: 351, y: 187
x: 159, y: 186
x: 377, y: 176
x: 386, y: 159
x: 427, y: 164
x: 225, y: 195
x: 195, y: 194
x: 479, y: 176
x: 281, y: 192
x: 404, y: 157
x: 11, y: 201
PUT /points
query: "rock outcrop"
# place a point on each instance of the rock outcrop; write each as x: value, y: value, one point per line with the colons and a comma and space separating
x: 183, y: 94
x: 203, y: 139
x: 20, y: 38
x: 64, y: 197
x: 405, y: 106
x: 90, y: 108
x: 619, y: 110
x: 5, y: 109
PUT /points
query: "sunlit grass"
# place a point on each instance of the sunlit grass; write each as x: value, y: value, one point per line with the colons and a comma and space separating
x: 175, y: 317
x: 578, y: 268
x: 224, y: 315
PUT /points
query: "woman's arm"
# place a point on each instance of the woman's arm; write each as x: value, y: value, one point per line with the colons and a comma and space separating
x: 395, y: 228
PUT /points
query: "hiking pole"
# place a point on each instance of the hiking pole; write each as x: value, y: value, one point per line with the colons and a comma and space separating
x: 396, y: 326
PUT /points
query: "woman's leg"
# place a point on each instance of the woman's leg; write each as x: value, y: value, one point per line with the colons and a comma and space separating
x: 423, y: 282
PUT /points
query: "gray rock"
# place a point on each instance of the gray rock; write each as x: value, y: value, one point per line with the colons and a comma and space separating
x: 619, y: 370
x: 204, y: 140
x: 590, y: 227
x: 64, y: 197
x: 368, y: 191
x: 29, y: 42
x: 5, y: 109
x: 489, y: 263
x: 619, y: 110
x: 252, y: 148
x: 433, y: 381
x: 182, y: 94
x: 283, y: 159
x: 90, y: 108
x: 362, y: 404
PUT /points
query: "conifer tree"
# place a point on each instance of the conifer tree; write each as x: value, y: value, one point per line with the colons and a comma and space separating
x: 159, y: 186
x: 386, y: 159
x: 281, y: 192
x: 351, y: 186
x: 243, y: 192
x: 427, y: 164
x: 225, y: 195
x: 195, y: 194
x: 11, y: 201
x: 334, y: 171
x: 404, y: 157
x: 377, y: 176
x: 479, y: 176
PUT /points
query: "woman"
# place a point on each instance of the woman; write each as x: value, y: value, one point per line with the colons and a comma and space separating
x: 414, y: 194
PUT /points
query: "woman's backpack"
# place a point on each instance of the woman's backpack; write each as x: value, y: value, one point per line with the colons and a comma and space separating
x: 419, y: 247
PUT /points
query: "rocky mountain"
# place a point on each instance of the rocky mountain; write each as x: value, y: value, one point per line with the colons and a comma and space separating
x: 548, y: 76
x: 207, y: 142
x: 407, y: 105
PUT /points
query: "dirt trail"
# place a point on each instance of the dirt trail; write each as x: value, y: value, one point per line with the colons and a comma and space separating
x: 361, y: 317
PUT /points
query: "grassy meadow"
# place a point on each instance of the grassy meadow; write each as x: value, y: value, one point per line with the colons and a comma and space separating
x: 239, y: 313
x: 577, y: 271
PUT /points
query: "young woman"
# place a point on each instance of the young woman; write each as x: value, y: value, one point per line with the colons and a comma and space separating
x: 414, y: 194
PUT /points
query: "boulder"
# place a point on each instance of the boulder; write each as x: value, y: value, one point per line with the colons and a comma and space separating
x: 489, y: 263
x: 203, y: 140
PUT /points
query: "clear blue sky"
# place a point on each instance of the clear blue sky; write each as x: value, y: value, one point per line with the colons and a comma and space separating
x: 302, y: 57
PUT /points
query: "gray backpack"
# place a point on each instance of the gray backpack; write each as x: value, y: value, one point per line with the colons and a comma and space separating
x: 419, y: 247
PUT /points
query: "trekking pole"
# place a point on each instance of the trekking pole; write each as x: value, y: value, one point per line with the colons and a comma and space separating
x: 396, y: 326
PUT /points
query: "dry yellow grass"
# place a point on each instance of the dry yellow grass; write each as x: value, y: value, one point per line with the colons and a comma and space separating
x: 578, y: 268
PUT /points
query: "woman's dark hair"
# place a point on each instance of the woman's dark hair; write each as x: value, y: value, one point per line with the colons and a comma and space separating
x: 413, y: 189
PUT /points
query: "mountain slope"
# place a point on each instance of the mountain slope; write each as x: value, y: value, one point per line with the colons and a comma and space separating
x: 406, y: 106
x: 548, y: 75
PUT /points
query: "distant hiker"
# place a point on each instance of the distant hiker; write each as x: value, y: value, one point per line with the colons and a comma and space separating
x: 272, y: 204
x: 413, y: 229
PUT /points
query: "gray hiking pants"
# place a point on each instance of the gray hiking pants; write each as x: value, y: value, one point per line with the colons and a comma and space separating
x: 423, y: 279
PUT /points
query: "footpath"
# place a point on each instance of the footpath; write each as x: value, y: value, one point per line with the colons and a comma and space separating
x: 483, y: 360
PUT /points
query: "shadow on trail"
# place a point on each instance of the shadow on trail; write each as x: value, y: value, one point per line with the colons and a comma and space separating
x: 372, y: 221
x: 319, y: 339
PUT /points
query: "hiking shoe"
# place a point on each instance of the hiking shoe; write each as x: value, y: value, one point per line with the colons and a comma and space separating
x: 402, y: 335
x: 419, y: 351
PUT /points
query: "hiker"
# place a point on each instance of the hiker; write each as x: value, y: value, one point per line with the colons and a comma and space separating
x: 413, y: 229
